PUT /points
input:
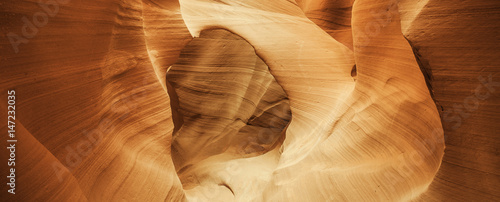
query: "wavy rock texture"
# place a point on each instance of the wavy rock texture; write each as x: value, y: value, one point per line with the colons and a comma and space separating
x: 232, y: 100
x: 231, y: 112
x: 458, y: 46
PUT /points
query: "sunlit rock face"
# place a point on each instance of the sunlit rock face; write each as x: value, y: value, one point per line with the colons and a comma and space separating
x: 229, y: 113
x: 252, y: 100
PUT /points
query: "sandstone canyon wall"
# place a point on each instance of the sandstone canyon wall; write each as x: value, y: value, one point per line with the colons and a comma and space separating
x: 250, y: 100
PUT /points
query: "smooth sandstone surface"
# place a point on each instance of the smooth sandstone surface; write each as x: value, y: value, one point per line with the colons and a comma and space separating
x: 232, y: 100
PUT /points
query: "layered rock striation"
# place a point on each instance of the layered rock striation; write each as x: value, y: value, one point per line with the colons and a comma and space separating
x: 231, y: 100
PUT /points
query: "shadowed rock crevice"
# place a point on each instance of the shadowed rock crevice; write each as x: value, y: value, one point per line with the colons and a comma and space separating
x: 224, y: 102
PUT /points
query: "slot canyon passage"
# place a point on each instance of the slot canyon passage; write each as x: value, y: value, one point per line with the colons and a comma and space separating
x: 251, y: 100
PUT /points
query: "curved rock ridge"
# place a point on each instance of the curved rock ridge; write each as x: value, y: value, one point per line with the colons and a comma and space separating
x: 457, y: 45
x: 251, y: 100
x: 334, y: 17
x: 349, y: 133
